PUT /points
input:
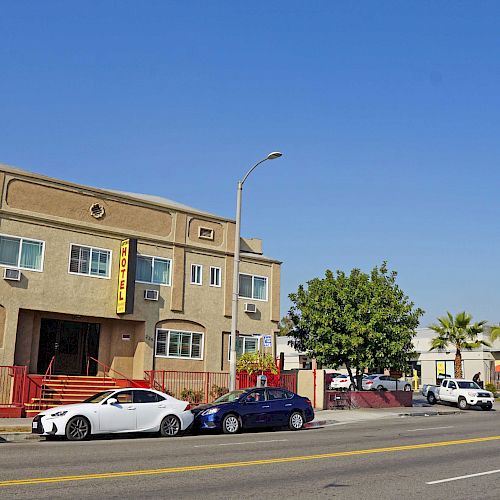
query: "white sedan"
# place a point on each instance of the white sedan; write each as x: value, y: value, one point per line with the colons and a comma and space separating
x: 114, y: 411
x: 381, y: 382
x: 341, y: 382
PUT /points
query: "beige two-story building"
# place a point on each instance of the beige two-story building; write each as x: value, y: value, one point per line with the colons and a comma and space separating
x: 60, y: 249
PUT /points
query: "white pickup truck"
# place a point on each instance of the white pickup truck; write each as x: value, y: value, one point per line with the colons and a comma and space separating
x: 463, y: 393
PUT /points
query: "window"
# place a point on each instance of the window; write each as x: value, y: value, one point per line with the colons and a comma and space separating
x: 21, y: 253
x: 245, y: 343
x: 452, y: 385
x: 215, y: 276
x: 205, y: 233
x: 153, y: 270
x: 147, y: 397
x: 177, y: 344
x: 276, y: 394
x: 89, y: 261
x: 253, y: 287
x: 124, y: 397
x: 256, y: 396
x: 196, y: 274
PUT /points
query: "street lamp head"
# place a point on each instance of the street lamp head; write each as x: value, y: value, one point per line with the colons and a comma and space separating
x: 274, y: 155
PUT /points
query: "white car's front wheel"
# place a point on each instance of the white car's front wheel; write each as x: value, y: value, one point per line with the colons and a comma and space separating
x: 170, y: 426
x: 77, y: 429
x: 462, y: 404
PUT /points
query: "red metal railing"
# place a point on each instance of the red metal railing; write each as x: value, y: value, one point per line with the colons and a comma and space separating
x: 12, y: 385
x: 196, y: 387
x: 107, y: 369
x: 204, y: 387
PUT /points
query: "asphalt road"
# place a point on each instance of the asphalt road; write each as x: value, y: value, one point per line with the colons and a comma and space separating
x: 390, y: 458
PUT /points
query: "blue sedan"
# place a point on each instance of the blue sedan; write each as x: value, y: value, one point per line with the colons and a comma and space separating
x: 250, y: 408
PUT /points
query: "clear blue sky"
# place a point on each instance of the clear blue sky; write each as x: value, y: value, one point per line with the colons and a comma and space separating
x: 387, y: 113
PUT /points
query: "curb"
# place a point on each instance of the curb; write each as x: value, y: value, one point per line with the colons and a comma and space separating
x: 319, y: 423
x: 17, y: 437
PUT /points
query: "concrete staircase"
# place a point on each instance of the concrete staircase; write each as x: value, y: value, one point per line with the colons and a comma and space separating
x: 64, y: 389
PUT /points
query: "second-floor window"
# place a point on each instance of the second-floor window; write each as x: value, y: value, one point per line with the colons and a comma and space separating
x: 22, y: 253
x: 89, y: 261
x: 196, y: 274
x: 253, y: 287
x: 153, y: 270
x: 215, y: 276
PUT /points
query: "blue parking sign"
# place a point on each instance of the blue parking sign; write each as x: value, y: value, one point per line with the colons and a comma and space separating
x: 268, y: 342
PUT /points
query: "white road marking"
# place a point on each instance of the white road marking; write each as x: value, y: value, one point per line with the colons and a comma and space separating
x: 464, y: 477
x: 243, y: 442
x: 431, y: 428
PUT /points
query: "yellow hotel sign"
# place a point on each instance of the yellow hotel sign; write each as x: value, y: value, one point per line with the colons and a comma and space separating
x: 126, y: 277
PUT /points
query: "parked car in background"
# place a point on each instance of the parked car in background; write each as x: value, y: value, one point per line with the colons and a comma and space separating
x: 115, y: 411
x: 251, y: 408
x: 463, y: 393
x: 340, y: 382
x: 381, y: 382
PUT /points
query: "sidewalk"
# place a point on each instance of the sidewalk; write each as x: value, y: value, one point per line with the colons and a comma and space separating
x: 329, y: 417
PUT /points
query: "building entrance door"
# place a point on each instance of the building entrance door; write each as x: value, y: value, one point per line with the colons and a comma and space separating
x: 70, y: 343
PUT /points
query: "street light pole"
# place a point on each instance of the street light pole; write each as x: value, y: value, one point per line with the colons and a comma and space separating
x: 236, y: 272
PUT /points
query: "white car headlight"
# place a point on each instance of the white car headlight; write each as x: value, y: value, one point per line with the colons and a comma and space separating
x: 59, y: 413
x: 210, y: 411
x: 472, y: 393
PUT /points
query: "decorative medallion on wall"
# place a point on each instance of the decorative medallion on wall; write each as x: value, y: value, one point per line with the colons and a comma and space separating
x: 97, y: 211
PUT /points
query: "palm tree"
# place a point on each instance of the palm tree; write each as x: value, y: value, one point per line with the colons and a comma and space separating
x: 458, y: 332
x: 495, y: 333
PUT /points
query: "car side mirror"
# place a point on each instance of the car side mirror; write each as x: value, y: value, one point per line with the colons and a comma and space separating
x: 112, y: 401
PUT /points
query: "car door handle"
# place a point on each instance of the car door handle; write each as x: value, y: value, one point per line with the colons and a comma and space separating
x: 288, y: 404
x: 162, y: 406
x: 131, y: 408
x: 266, y: 406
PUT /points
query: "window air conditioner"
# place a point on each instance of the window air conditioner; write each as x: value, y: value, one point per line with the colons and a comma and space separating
x: 250, y: 308
x: 11, y: 274
x: 151, y: 294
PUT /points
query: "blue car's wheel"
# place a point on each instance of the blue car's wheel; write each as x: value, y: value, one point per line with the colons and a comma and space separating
x: 296, y: 421
x: 230, y: 424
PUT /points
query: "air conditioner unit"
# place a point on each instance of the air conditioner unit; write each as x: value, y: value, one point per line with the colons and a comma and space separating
x: 250, y: 308
x: 151, y: 294
x: 11, y: 274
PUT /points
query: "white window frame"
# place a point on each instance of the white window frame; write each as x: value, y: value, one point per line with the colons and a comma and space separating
x: 202, y: 346
x: 169, y: 283
x: 18, y: 266
x: 110, y: 262
x: 219, y: 274
x: 212, y: 233
x: 201, y: 275
x: 245, y: 336
x: 254, y: 276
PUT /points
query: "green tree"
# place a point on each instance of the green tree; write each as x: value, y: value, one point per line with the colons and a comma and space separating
x: 358, y: 320
x: 458, y: 332
x: 285, y: 326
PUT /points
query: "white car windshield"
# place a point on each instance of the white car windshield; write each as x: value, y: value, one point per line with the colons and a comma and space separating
x: 468, y: 385
x: 100, y: 396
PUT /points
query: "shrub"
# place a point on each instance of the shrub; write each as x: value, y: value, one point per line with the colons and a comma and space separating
x: 191, y: 395
x: 254, y: 362
x: 218, y: 391
x: 492, y: 388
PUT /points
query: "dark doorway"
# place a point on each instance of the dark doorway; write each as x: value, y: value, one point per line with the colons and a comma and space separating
x: 70, y: 343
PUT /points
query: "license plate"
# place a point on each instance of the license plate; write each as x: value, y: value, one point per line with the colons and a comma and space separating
x: 34, y: 425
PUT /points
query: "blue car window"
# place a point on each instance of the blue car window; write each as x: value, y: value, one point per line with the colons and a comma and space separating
x: 273, y: 394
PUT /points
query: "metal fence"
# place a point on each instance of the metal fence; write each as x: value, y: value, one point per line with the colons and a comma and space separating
x: 205, y: 387
x: 12, y: 385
